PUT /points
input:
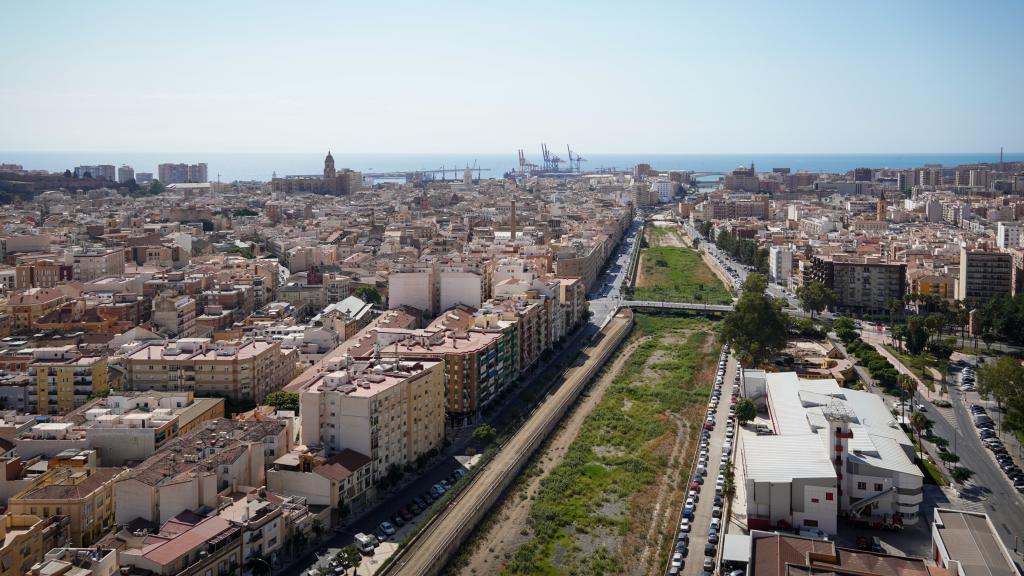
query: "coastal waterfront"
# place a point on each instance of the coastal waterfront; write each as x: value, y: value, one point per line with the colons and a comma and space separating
x: 233, y: 166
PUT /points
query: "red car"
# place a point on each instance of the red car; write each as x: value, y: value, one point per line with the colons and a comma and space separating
x: 695, y: 486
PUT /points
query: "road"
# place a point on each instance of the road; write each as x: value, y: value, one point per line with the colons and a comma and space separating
x: 998, y: 498
x: 606, y: 293
x: 739, y: 271
x: 701, y: 520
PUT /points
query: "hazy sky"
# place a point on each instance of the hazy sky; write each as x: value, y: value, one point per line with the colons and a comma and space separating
x: 376, y: 76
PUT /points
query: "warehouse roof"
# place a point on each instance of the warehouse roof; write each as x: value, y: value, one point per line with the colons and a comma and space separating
x: 783, y: 458
x: 970, y: 539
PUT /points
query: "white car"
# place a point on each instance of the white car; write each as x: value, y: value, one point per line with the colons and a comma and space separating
x: 387, y: 528
x: 716, y: 523
x: 684, y: 525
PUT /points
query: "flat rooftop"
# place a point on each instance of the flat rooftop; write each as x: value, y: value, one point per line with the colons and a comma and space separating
x: 970, y: 540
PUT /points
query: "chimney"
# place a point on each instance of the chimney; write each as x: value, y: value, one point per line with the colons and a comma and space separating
x: 513, y: 219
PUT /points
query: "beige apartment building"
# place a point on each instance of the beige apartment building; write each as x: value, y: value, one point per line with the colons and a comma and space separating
x: 85, y: 495
x: 88, y: 266
x: 390, y: 410
x: 238, y: 369
x: 984, y: 274
x: 65, y: 379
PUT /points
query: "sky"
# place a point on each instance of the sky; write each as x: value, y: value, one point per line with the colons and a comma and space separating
x: 490, y: 77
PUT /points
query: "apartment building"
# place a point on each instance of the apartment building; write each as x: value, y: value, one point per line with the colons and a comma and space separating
x: 133, y: 426
x: 85, y: 495
x: 984, y: 274
x: 42, y: 273
x: 175, y: 315
x: 86, y: 266
x: 66, y: 561
x: 239, y: 369
x: 65, y: 379
x: 390, y: 410
x: 333, y: 481
x: 186, y: 545
x: 25, y: 538
x: 192, y: 471
x: 780, y: 264
x: 864, y: 285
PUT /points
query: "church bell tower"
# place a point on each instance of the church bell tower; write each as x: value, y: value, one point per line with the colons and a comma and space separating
x: 329, y: 171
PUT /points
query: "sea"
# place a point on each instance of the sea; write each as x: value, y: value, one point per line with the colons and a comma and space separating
x: 232, y: 166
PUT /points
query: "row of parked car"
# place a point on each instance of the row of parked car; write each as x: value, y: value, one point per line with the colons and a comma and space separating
x: 701, y: 471
x: 967, y: 379
x: 986, y: 431
x: 386, y: 529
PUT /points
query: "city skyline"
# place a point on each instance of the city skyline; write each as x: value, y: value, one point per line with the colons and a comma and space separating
x: 661, y: 78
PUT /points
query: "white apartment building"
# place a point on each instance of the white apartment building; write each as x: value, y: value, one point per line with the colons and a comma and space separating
x: 835, y: 451
x: 390, y: 410
x: 416, y: 289
x: 1009, y: 235
x: 662, y: 190
x: 780, y: 264
x: 460, y: 288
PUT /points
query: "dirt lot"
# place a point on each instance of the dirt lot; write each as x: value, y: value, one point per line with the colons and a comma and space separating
x: 509, y: 529
x: 646, y: 518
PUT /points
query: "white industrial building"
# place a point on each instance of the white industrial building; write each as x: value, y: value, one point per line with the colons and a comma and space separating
x: 834, y: 452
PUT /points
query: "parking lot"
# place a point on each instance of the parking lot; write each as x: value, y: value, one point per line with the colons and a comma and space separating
x: 702, y: 515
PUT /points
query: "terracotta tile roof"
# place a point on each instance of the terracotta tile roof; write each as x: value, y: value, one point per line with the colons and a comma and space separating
x: 342, y: 465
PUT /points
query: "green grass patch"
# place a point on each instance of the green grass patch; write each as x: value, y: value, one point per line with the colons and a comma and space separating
x: 679, y: 275
x: 611, y: 459
x: 932, y: 474
x: 918, y: 364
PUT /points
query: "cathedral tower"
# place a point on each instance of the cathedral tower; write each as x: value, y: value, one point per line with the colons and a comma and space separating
x: 329, y: 171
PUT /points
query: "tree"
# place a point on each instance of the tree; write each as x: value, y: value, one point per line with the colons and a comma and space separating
x: 68, y: 174
x: 845, y: 329
x: 907, y: 387
x: 155, y: 188
x: 317, y: 526
x: 283, y: 400
x: 485, y: 434
x: 745, y: 410
x: 815, y: 297
x: 961, y: 474
x: 1002, y: 380
x: 918, y: 421
x: 757, y: 328
x: 916, y: 335
x: 368, y: 294
x: 88, y: 174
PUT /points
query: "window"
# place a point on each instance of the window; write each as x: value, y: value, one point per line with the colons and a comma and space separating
x: 828, y: 496
x: 862, y: 485
x: 814, y: 501
x: 878, y: 487
x: 811, y: 523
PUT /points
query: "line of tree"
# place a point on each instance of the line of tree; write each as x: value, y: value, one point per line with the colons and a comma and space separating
x: 743, y: 250
x: 1003, y: 381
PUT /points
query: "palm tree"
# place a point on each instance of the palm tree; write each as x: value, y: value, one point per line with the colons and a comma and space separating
x: 907, y: 386
x: 918, y: 421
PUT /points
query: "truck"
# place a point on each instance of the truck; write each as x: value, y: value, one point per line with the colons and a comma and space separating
x: 366, y: 542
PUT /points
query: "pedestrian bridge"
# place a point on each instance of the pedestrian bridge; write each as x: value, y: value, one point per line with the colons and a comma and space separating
x: 676, y: 305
